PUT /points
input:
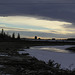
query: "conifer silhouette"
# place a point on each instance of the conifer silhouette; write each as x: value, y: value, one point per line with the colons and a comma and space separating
x: 2, y: 32
x: 18, y: 37
x: 13, y: 35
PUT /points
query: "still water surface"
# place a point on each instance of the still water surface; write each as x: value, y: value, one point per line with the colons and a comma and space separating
x: 61, y: 49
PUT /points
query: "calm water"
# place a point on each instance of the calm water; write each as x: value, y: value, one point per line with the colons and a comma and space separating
x: 61, y: 49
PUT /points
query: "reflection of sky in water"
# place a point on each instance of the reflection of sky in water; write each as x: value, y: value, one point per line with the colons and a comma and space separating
x: 51, y: 49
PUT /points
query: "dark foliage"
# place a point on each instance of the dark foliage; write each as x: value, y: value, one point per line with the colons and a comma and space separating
x: 33, y: 66
x: 7, y: 37
x: 71, y: 49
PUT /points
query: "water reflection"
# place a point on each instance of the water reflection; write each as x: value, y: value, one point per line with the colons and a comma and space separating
x: 54, y: 49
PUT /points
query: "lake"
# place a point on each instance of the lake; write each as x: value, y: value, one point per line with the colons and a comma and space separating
x: 56, y: 53
x: 53, y: 48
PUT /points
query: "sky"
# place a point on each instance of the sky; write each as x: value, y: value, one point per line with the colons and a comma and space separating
x: 42, y: 18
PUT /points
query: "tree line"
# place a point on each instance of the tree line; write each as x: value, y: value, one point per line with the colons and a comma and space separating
x: 6, y: 36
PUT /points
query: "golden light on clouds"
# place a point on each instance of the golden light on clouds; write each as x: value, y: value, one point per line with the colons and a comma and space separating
x: 22, y: 21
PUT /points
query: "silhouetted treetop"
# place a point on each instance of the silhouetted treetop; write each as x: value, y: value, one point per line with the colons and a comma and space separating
x: 18, y: 37
x: 6, y: 36
x: 13, y: 35
x: 2, y: 32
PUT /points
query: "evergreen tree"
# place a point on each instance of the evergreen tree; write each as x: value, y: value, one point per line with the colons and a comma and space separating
x: 2, y: 32
x: 18, y: 37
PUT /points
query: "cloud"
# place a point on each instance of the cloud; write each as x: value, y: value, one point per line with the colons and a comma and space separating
x: 35, y: 24
x: 31, y: 33
x: 50, y: 10
x: 37, y: 1
x: 2, y: 25
x: 64, y: 12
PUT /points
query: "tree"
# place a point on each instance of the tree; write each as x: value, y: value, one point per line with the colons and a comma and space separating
x: 2, y: 32
x: 13, y: 35
x: 18, y: 37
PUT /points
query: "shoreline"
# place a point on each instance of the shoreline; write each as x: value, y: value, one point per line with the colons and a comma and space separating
x: 65, y: 59
x: 25, y: 63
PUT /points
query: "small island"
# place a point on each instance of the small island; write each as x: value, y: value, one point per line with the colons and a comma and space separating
x: 71, y: 49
